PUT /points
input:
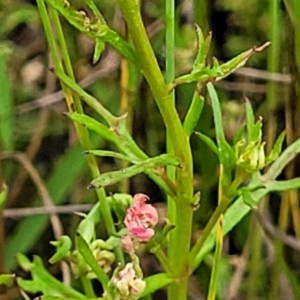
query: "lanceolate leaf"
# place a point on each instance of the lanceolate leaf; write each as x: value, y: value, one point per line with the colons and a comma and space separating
x: 116, y: 176
x: 216, y: 112
x: 93, y: 125
x: 156, y: 282
x: 238, y: 61
x: 110, y: 154
x: 203, y: 48
x: 249, y: 120
x: 275, y: 152
x: 99, y: 48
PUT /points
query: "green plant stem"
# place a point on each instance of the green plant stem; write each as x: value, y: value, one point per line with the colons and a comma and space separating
x: 87, y: 287
x: 154, y: 77
x: 273, y: 53
x: 169, y: 76
x: 160, y: 255
x: 178, y: 140
x: 81, y: 130
x: 206, y: 231
x: 219, y: 245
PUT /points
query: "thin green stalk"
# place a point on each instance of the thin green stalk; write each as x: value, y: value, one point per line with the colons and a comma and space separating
x: 206, y: 231
x: 81, y: 130
x: 272, y: 100
x: 87, y: 287
x: 219, y: 246
x: 160, y: 255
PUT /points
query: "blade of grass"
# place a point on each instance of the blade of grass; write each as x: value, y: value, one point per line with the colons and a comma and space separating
x: 6, y: 109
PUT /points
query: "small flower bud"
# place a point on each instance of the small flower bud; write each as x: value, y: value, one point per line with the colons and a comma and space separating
x: 127, y: 283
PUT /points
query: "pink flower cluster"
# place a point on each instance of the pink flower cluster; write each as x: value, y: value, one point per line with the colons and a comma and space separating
x: 140, y: 220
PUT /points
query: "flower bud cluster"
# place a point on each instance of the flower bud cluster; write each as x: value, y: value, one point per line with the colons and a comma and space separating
x: 103, y: 254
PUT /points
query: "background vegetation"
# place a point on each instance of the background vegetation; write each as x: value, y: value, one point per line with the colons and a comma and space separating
x: 40, y: 154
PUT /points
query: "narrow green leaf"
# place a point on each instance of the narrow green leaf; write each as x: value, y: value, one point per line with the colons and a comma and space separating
x: 89, y: 258
x: 116, y: 176
x: 202, y: 75
x: 275, y: 152
x: 286, y: 156
x: 193, y: 113
x: 239, y: 135
x: 238, y: 61
x: 203, y: 48
x: 156, y: 282
x: 6, y: 278
x: 93, y: 125
x: 283, y: 185
x: 232, y: 217
x: 216, y: 112
x: 215, y: 272
x: 95, y: 10
x: 110, y: 154
x: 6, y: 109
x: 256, y: 133
x: 208, y: 141
x: 63, y: 246
x: 87, y: 98
x: 249, y: 120
x: 99, y: 48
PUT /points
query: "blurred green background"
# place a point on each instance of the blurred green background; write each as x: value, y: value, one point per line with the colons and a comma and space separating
x: 258, y: 262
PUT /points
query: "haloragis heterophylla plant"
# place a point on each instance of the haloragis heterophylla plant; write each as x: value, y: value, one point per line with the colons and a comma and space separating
x: 130, y: 222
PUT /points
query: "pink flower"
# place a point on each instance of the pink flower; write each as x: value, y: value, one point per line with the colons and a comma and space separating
x: 141, y: 218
